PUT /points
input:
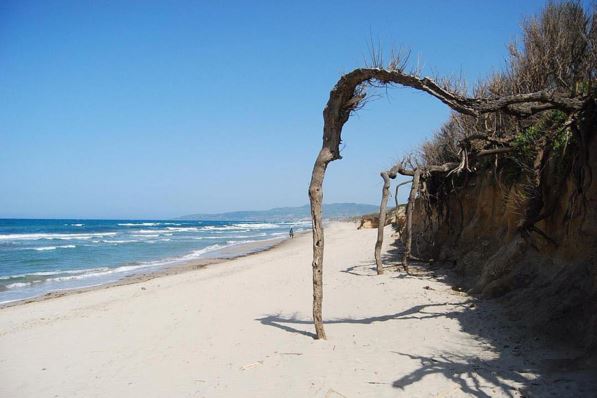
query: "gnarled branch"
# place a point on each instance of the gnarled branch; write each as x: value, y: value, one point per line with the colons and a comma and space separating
x: 397, y: 189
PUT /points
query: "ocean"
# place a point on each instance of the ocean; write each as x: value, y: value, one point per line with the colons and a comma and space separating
x: 42, y: 256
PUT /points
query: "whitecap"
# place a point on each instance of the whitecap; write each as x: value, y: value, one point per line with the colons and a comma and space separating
x: 140, y: 224
x: 18, y: 284
x: 116, y: 241
x: 45, y: 248
x: 182, y: 229
x: 40, y: 249
x: 52, y: 236
x: 257, y: 226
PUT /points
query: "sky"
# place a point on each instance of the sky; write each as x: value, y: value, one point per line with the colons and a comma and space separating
x: 143, y: 109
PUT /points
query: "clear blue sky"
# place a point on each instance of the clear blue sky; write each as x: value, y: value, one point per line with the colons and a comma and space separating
x: 115, y: 109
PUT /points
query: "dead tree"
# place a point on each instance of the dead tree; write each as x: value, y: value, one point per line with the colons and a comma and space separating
x: 396, y: 192
x: 386, y: 175
x: 348, y: 95
x: 381, y: 220
x: 410, y: 206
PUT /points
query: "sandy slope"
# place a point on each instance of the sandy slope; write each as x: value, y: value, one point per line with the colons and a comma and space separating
x: 242, y: 329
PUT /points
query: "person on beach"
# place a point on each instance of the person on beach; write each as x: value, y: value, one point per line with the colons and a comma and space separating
x: 291, y: 233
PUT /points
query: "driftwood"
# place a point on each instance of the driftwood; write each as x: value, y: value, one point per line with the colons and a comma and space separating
x: 348, y: 95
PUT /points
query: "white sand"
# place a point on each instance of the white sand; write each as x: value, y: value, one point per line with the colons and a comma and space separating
x: 224, y: 331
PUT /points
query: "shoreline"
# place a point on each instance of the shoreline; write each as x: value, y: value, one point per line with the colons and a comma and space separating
x: 246, y: 329
x: 223, y: 255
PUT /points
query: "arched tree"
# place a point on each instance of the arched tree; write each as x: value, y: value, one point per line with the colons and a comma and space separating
x: 348, y: 95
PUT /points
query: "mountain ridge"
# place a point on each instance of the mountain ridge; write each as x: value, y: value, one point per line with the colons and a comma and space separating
x: 330, y: 211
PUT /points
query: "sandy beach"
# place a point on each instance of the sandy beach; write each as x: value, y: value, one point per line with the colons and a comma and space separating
x: 242, y: 328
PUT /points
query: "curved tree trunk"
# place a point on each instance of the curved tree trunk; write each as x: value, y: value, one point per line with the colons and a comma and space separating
x: 396, y: 192
x: 382, y: 220
x: 410, y: 206
x: 347, y: 96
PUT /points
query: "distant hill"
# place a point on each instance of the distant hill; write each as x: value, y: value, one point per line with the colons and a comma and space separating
x: 330, y: 211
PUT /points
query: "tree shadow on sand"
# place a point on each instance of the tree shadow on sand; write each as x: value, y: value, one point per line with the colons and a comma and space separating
x: 366, y: 268
x: 475, y: 377
x: 517, y: 362
x: 502, y: 372
x: 417, y: 312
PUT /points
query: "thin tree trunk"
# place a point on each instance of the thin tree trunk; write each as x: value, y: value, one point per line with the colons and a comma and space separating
x: 316, y: 198
x: 409, y: 217
x: 382, y: 220
x: 396, y: 193
x: 386, y: 175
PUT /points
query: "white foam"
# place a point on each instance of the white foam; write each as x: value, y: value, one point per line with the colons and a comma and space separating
x: 257, y: 226
x: 183, y: 229
x: 146, y: 224
x: 140, y: 224
x: 241, y: 227
x: 116, y: 241
x: 63, y: 276
x: 229, y: 243
x: 51, y: 236
x: 236, y: 236
x: 240, y: 242
x: 200, y: 252
x: 18, y: 284
x: 223, y: 228
x: 99, y: 272
x: 45, y: 248
x: 167, y: 232
x: 46, y: 273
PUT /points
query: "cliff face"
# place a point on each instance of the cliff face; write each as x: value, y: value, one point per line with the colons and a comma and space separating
x: 549, y: 277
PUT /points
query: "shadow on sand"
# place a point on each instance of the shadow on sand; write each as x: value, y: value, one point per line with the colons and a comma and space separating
x: 520, y: 366
x: 416, y: 312
x: 475, y: 377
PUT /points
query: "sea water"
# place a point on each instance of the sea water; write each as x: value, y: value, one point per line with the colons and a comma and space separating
x: 41, y: 256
